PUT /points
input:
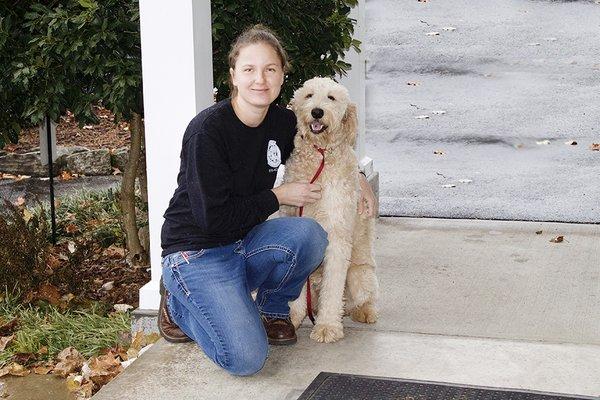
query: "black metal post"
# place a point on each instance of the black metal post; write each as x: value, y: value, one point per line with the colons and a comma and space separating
x: 51, y: 174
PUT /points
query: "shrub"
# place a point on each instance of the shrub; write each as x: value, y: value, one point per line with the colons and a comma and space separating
x: 23, y: 247
x: 315, y: 35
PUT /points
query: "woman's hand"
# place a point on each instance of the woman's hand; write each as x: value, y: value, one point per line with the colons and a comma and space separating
x: 367, y: 202
x: 297, y: 194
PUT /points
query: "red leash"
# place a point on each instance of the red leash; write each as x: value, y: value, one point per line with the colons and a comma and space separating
x: 314, y: 178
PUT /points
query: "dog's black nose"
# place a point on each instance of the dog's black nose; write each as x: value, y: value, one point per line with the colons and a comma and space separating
x: 317, y: 113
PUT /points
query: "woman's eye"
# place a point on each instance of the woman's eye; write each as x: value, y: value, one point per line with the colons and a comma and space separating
x: 247, y: 70
x: 331, y: 98
x: 308, y: 96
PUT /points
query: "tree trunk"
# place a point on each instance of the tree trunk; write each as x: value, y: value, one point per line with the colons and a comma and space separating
x: 144, y: 232
x: 135, y: 252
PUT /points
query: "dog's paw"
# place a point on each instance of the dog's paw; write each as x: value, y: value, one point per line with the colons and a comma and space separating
x: 323, y: 333
x: 366, y: 314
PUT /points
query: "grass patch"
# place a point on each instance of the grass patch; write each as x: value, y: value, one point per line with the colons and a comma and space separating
x: 93, y: 215
x: 89, y: 330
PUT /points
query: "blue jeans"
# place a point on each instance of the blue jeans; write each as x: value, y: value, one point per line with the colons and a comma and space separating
x: 209, y: 290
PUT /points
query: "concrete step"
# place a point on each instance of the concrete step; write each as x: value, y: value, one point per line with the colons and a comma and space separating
x: 488, y: 303
x: 182, y: 371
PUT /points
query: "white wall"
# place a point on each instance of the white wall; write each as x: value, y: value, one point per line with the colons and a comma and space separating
x: 177, y: 73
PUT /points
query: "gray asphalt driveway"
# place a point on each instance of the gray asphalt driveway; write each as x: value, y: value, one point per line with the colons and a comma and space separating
x: 497, y: 89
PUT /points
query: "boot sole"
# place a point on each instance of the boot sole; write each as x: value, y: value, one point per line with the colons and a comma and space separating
x: 283, y: 342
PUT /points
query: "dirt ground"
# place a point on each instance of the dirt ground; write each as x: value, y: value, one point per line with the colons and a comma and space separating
x: 106, y: 134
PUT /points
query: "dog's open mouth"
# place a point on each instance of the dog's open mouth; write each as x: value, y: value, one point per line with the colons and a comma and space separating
x: 317, y: 127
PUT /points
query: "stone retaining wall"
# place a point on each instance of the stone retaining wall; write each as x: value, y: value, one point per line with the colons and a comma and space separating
x: 77, y: 160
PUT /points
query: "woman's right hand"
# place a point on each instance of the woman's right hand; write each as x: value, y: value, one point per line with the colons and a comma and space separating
x: 297, y: 194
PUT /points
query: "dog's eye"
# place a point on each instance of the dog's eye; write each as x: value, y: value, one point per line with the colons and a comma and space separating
x: 331, y: 98
x: 308, y: 96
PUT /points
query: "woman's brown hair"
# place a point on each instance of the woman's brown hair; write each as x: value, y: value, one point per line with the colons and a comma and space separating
x: 252, y: 35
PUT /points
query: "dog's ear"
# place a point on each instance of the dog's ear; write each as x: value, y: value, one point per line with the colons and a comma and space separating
x: 350, y: 124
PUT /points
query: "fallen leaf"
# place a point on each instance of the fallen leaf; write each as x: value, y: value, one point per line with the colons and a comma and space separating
x: 69, y: 361
x: 413, y: 83
x: 116, y: 171
x: 71, y: 247
x: 43, y: 350
x: 122, y: 307
x: 65, y: 176
x: 432, y: 33
x: 74, y: 382
x: 49, y: 293
x: 439, y: 152
x: 88, y: 127
x: 27, y: 215
x: 104, y: 368
x: 9, y: 328
x: 595, y: 147
x: 114, y: 251
x: 557, y: 239
x: 450, y: 185
x: 449, y: 28
x: 571, y: 143
x: 67, y: 297
x: 42, y: 370
x: 71, y: 228
x: 20, y: 201
x: 108, y: 286
x: 138, y: 341
x: 543, y: 142
x: 519, y: 145
x: 4, y: 341
x: 422, y: 117
x: 152, y: 337
x: 538, y: 232
x: 16, y: 369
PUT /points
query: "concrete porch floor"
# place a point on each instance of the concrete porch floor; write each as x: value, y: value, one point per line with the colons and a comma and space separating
x: 487, y: 303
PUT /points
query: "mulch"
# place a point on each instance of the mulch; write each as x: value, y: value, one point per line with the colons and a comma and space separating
x: 106, y: 134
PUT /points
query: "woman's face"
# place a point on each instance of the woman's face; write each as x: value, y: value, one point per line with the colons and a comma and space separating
x: 258, y: 75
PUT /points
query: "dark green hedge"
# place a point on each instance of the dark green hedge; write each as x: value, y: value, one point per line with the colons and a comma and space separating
x: 315, y: 34
x: 69, y: 54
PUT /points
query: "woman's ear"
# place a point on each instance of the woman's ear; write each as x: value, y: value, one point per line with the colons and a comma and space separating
x: 350, y: 124
x: 232, y: 74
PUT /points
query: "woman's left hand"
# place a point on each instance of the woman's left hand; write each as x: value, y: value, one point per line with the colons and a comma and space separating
x: 367, y: 202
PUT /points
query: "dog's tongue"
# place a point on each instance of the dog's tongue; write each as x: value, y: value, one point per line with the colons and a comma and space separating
x: 316, y: 126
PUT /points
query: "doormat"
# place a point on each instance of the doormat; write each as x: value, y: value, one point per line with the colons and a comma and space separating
x: 332, y: 386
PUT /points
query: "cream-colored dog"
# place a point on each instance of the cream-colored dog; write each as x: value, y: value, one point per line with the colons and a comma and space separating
x: 327, y: 120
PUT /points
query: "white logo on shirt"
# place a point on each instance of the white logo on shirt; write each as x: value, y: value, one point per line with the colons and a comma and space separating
x: 273, y: 154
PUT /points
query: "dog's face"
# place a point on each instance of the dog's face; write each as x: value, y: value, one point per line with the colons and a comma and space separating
x: 324, y: 112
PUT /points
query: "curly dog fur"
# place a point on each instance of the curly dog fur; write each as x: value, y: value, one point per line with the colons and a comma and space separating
x: 346, y: 282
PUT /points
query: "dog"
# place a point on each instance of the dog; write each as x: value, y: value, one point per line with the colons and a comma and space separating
x: 345, y: 283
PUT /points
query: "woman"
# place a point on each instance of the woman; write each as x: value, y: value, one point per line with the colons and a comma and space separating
x: 217, y: 245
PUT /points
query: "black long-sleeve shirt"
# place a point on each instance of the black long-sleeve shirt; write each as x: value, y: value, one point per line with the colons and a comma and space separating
x: 225, y: 178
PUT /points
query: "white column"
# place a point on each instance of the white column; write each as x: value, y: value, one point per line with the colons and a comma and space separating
x: 355, y: 82
x: 177, y: 72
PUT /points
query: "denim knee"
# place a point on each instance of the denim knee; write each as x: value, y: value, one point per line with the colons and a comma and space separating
x: 312, y: 233
x: 248, y: 362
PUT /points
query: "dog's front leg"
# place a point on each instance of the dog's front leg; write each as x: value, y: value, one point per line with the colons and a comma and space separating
x: 328, y: 327
x: 298, y: 308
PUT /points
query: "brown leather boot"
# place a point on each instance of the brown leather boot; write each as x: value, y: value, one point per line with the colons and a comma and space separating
x: 280, y: 332
x: 167, y: 328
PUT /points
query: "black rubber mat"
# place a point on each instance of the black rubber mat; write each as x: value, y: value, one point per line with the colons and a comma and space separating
x: 331, y: 386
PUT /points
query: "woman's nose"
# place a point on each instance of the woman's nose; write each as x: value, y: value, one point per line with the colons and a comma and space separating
x: 260, y: 77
